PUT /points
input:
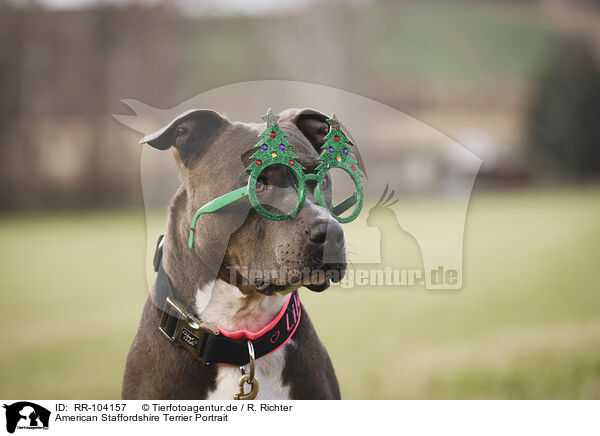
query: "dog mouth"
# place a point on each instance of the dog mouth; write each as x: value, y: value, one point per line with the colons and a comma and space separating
x: 267, y: 288
x: 315, y: 280
x: 319, y: 287
x: 281, y: 280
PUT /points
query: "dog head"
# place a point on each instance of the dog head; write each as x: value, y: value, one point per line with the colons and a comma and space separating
x: 236, y: 243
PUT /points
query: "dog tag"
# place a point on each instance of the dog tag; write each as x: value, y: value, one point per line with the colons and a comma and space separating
x: 253, y: 388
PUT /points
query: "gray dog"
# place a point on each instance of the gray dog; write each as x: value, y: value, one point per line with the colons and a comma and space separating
x: 211, y: 279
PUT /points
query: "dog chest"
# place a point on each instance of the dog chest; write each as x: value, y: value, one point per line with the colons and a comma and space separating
x: 269, y: 372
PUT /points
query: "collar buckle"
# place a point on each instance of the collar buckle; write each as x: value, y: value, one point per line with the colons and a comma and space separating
x: 183, y: 329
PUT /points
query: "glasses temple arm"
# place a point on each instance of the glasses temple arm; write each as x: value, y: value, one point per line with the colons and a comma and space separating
x: 215, y: 205
x: 345, y: 205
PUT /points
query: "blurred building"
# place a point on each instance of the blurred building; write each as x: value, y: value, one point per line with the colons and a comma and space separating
x: 459, y: 67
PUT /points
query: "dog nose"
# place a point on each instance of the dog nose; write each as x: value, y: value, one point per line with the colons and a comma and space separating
x: 325, y: 231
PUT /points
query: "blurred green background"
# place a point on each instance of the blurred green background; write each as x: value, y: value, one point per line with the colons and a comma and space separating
x: 525, y: 325
x: 522, y: 75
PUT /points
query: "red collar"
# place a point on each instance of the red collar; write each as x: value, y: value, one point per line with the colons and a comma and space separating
x: 275, y: 328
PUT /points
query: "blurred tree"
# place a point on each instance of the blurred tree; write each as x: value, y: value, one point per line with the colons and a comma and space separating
x: 564, y: 120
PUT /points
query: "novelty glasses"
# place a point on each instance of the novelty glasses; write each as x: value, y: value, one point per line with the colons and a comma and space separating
x: 278, y: 201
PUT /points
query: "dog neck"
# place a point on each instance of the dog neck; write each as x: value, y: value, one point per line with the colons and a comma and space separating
x: 186, y: 269
x: 224, y: 305
x: 214, y: 301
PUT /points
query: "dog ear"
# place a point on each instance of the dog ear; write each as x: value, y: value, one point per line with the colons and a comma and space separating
x: 310, y: 122
x: 195, y: 125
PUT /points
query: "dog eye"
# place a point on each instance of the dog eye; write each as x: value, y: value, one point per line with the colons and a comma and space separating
x: 260, y: 186
x: 181, y: 131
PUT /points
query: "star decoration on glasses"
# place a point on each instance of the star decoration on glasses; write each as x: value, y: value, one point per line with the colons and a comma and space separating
x: 334, y: 123
x: 270, y: 118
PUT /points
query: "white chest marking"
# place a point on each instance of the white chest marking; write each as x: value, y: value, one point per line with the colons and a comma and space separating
x: 269, y: 371
x: 222, y: 304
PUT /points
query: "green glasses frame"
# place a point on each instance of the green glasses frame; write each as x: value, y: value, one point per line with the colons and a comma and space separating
x: 250, y: 191
x: 274, y: 149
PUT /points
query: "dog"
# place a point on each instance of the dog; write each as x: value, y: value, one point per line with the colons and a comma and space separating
x: 212, y: 154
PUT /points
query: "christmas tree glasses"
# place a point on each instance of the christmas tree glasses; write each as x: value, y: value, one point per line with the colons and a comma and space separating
x: 275, y: 150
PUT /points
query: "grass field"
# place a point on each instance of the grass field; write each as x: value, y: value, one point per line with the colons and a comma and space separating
x: 525, y: 325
